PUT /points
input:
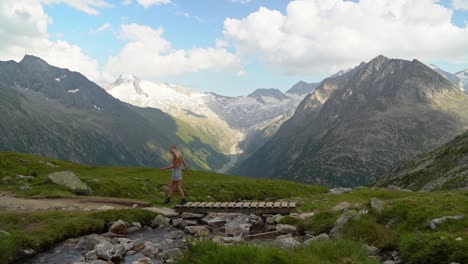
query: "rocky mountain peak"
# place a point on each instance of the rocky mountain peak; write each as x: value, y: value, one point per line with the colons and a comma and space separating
x: 268, y: 92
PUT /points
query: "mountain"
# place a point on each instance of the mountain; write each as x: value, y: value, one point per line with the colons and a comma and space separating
x: 302, y: 88
x: 451, y: 77
x: 443, y: 168
x: 233, y: 125
x: 181, y: 103
x: 463, y: 75
x: 59, y: 113
x: 357, y: 125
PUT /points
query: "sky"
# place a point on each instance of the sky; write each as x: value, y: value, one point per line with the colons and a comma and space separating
x: 232, y: 47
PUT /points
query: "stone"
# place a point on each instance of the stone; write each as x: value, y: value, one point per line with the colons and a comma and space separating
x: 438, y: 221
x: 119, y: 227
x: 107, y: 251
x: 340, y: 190
x: 391, y: 262
x: 191, y: 222
x: 216, y: 222
x: 137, y: 224
x: 27, y: 252
x: 89, y: 242
x: 179, y: 223
x: 133, y: 229
x: 393, y: 187
x: 143, y: 261
x: 25, y: 187
x: 199, y: 231
x: 105, y: 208
x: 287, y: 242
x: 376, y: 205
x: 229, y: 240
x: 150, y: 249
x: 191, y: 216
x: 126, y: 243
x: 69, y: 180
x: 7, y: 180
x: 22, y: 177
x: 285, y: 229
x: 138, y: 247
x: 171, y: 253
x: 265, y: 235
x: 321, y: 237
x: 112, y: 235
x: 164, y: 188
x: 91, y: 255
x: 341, y: 206
x: 371, y: 250
x: 164, y: 211
x: 305, y: 215
x: 271, y: 220
x: 278, y: 218
x: 337, y: 230
x: 5, y: 233
x: 257, y: 228
x: 160, y: 221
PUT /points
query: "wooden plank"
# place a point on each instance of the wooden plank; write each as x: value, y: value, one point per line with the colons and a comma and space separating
x: 292, y: 204
x: 216, y: 205
x: 247, y: 204
x: 284, y: 204
x: 195, y: 204
x: 254, y: 204
x: 261, y: 204
x: 240, y: 204
x: 231, y: 205
x: 277, y: 204
x: 202, y: 204
x: 223, y: 205
x: 269, y: 204
x: 208, y: 205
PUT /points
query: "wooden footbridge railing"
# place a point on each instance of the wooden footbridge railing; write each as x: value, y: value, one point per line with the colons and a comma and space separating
x: 238, y: 207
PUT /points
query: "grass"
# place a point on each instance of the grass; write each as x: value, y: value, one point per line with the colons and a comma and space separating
x: 40, y: 230
x: 402, y: 225
x: 326, y: 252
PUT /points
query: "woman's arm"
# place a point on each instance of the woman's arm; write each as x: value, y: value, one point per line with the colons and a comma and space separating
x: 168, y: 168
x: 186, y: 167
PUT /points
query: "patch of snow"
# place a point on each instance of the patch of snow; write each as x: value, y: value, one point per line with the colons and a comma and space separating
x: 57, y: 79
x: 73, y: 91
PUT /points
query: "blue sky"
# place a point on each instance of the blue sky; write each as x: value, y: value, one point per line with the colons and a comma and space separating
x: 250, y: 31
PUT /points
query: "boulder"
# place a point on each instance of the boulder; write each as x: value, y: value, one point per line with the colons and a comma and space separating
x: 341, y: 206
x: 91, y: 255
x: 191, y: 216
x: 371, y: 250
x: 285, y: 229
x: 160, y: 221
x: 150, y: 249
x: 377, y: 205
x: 179, y: 223
x: 119, y: 227
x: 438, y: 221
x: 88, y: 243
x: 287, y: 242
x: 164, y: 211
x: 216, y: 222
x: 199, y: 231
x: 337, y: 230
x: 143, y: 261
x: 340, y: 190
x: 265, y: 235
x: 321, y: 237
x: 171, y: 253
x: 107, y: 251
x: 69, y: 180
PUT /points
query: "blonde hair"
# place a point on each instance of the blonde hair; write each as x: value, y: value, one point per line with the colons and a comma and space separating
x: 176, y: 156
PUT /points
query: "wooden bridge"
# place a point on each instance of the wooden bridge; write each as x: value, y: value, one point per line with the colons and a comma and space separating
x: 238, y: 207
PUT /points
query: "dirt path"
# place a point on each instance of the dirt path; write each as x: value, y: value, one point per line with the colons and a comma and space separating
x: 9, y: 202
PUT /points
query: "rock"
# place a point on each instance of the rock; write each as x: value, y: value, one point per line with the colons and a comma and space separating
x: 321, y: 237
x: 126, y: 243
x: 287, y: 242
x: 179, y: 223
x: 191, y: 216
x: 393, y: 188
x: 216, y: 222
x: 171, y: 253
x: 438, y: 221
x: 304, y: 215
x: 271, y: 220
x: 265, y: 235
x: 376, y: 205
x: 336, y: 232
x: 143, y: 261
x: 137, y: 224
x: 341, y: 206
x: 88, y: 243
x: 160, y: 221
x: 363, y: 212
x: 119, y: 227
x: 164, y: 188
x: 458, y: 239
x: 105, y: 208
x: 164, y: 211
x: 285, y: 229
x: 5, y: 233
x: 199, y: 231
x: 391, y: 262
x: 69, y: 180
x: 91, y: 255
x: 371, y: 250
x: 112, y: 235
x: 27, y: 252
x: 229, y: 240
x: 25, y: 187
x: 340, y: 190
x: 107, y: 251
x: 191, y: 222
x: 133, y: 229
x: 150, y: 249
x: 138, y: 247
x: 257, y: 228
x: 278, y: 218
x: 22, y: 177
x: 51, y: 165
x: 7, y: 180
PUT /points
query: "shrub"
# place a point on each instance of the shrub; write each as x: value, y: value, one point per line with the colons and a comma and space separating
x: 367, y: 230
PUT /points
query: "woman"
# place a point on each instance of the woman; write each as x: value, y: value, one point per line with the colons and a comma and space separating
x: 177, y: 161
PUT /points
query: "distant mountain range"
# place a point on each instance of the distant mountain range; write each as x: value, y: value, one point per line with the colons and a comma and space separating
x: 357, y: 125
x: 443, y: 168
x: 59, y: 113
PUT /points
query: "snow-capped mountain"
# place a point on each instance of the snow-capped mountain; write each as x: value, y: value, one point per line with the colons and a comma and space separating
x: 449, y: 76
x: 463, y: 75
x: 226, y: 119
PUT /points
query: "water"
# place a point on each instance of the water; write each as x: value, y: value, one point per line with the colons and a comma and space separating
x: 66, y: 253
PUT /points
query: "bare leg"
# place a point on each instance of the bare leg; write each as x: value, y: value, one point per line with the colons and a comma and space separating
x: 179, y: 188
x: 171, y: 188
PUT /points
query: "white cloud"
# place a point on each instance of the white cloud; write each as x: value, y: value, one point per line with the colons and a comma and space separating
x: 149, y: 55
x: 148, y: 3
x: 87, y: 6
x: 24, y: 31
x: 328, y: 35
x: 102, y: 28
x: 127, y: 2
x: 460, y: 4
